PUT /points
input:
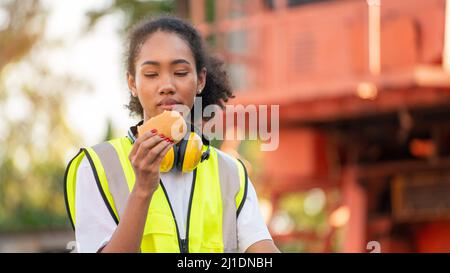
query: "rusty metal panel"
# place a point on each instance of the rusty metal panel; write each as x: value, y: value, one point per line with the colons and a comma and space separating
x: 421, y: 196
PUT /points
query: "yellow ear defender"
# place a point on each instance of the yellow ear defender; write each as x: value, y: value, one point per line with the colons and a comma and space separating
x: 186, y: 155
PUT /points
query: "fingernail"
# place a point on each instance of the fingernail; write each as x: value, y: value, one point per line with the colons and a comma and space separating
x: 153, y: 131
x: 168, y: 139
x: 162, y: 136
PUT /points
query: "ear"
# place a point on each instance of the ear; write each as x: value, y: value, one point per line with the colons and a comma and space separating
x: 201, y: 79
x: 131, y: 84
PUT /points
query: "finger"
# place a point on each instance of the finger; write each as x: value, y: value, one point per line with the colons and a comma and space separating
x: 139, y: 140
x: 156, y: 151
x: 146, y: 146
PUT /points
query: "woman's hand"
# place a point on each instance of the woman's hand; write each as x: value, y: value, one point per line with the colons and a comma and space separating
x: 146, y: 155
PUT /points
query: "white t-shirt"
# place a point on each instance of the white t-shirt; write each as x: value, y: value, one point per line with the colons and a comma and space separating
x: 95, y: 226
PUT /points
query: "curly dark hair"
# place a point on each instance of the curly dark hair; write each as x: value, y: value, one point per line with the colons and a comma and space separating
x: 217, y: 89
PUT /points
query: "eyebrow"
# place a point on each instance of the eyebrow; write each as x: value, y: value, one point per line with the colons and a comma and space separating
x: 177, y: 61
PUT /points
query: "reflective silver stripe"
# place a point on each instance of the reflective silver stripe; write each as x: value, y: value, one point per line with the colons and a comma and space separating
x: 117, y: 182
x: 230, y: 185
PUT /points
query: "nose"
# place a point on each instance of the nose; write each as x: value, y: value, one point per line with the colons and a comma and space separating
x: 167, y: 87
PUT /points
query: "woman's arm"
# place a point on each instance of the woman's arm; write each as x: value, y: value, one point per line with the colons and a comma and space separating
x: 145, y: 156
x: 264, y: 246
x: 128, y: 235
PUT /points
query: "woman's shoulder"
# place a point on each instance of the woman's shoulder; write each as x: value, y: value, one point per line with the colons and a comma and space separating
x: 228, y: 158
x: 223, y: 154
x: 86, y: 151
x: 119, y: 142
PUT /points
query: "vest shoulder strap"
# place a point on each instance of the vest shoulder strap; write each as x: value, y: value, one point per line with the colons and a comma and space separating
x: 242, y: 196
x: 235, y: 178
x: 116, y: 183
x: 70, y: 185
x: 234, y: 183
x: 108, y: 176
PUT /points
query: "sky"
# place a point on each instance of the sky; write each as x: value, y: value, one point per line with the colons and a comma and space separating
x: 96, y: 58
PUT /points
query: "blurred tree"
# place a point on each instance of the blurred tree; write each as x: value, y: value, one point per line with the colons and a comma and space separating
x: 109, y: 130
x: 34, y: 136
x: 16, y: 37
x: 137, y: 10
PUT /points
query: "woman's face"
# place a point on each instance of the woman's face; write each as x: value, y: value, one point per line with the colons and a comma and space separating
x: 165, y: 74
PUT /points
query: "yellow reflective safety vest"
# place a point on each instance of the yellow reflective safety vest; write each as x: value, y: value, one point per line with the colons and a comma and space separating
x: 219, y: 190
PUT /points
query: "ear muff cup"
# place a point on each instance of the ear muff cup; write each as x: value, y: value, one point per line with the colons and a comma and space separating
x: 184, y: 156
x: 169, y: 160
x: 190, y: 153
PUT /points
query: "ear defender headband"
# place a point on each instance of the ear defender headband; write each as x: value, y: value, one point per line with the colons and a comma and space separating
x: 187, y: 154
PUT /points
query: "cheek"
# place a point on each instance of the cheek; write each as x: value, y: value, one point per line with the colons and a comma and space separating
x: 141, y: 83
x: 144, y: 87
x: 189, y: 91
x: 146, y: 94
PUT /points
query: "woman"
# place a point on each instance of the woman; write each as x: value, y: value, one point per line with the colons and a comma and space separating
x: 123, y: 203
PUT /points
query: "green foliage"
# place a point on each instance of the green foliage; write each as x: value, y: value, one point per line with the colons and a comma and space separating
x: 210, y: 10
x: 293, y: 204
x: 41, y: 207
x: 251, y: 151
x: 134, y: 11
x: 34, y: 135
x: 109, y: 131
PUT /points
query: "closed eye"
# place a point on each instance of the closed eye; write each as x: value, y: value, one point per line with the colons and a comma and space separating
x: 181, y: 73
x: 151, y: 75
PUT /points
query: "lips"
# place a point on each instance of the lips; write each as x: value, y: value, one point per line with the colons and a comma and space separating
x: 167, y: 106
x: 168, y: 102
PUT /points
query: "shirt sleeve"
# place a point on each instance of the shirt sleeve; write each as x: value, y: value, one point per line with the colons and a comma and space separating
x: 94, y: 225
x: 250, y: 223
